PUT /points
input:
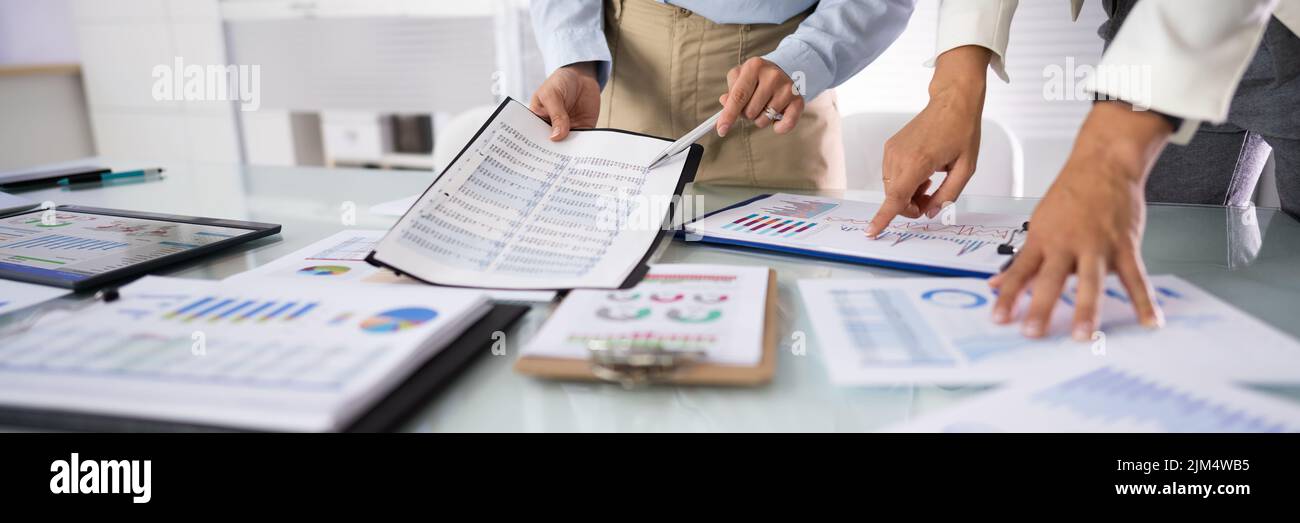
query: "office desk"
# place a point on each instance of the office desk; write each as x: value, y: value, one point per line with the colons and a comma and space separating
x: 1249, y: 260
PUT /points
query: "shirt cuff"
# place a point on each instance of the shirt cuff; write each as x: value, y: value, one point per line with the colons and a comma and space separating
x: 1185, y: 131
x: 981, y: 24
x: 577, y: 46
x: 804, y: 66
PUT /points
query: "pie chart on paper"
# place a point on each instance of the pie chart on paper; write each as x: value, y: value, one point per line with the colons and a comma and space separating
x: 324, y: 270
x: 397, y: 320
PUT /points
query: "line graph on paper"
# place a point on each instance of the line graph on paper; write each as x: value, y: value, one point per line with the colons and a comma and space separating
x: 967, y: 238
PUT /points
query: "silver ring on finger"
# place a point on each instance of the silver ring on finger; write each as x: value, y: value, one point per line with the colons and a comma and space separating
x: 772, y: 115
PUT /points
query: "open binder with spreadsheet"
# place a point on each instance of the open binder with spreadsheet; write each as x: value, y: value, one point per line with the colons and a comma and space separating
x: 516, y: 210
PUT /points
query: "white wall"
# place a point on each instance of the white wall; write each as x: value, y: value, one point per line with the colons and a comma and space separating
x: 36, y: 32
x: 42, y: 109
x: 120, y: 42
x: 1041, y: 34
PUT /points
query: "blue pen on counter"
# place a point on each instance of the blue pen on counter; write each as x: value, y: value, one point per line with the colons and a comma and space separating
x: 104, y: 177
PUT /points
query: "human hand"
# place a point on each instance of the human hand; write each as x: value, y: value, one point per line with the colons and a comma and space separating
x: 752, y: 88
x: 1090, y: 223
x: 568, y: 99
x: 943, y: 137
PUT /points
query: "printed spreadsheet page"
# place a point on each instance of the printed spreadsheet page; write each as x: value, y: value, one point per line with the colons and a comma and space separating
x: 518, y: 211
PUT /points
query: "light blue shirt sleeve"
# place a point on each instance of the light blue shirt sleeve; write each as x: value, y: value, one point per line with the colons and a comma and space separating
x: 836, y: 41
x: 839, y: 39
x: 571, y: 31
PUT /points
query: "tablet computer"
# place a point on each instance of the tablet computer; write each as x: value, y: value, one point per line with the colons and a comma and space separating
x: 84, y: 247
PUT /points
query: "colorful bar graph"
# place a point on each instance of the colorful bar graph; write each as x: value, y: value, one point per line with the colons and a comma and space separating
x: 188, y: 308
x: 301, y: 311
x: 209, y: 310
x: 232, y: 310
x: 255, y: 311
x: 763, y: 224
x: 278, y: 311
x: 236, y: 310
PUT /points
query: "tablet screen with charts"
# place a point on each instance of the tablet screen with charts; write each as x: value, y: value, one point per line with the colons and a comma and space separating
x: 83, y: 247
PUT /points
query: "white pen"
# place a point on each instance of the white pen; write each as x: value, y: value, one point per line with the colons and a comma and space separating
x: 685, y: 142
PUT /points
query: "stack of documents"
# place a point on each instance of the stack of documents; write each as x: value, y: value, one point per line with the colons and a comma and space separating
x: 1110, y: 398
x: 294, y: 356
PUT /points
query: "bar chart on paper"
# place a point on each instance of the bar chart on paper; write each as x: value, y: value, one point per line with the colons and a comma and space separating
x: 1111, y: 398
x: 215, y: 309
x: 1115, y: 395
x: 767, y: 225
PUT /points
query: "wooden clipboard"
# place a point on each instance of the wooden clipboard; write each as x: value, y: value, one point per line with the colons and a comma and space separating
x: 698, y: 374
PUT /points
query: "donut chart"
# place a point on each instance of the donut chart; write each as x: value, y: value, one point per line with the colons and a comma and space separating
x: 623, y: 313
x: 694, y: 315
x: 397, y: 320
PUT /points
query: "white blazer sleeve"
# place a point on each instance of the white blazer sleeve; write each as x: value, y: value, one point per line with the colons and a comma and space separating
x: 985, y: 23
x: 1183, y: 57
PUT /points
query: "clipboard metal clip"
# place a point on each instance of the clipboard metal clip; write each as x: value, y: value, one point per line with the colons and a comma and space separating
x: 636, y: 363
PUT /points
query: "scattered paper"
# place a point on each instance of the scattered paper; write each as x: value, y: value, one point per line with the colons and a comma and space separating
x: 1108, y: 398
x: 937, y: 330
x: 341, y: 258
x: 16, y: 295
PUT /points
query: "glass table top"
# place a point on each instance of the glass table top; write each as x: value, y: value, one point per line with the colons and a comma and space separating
x: 1247, y: 257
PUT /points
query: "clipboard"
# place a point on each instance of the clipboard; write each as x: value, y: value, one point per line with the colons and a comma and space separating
x: 693, y: 156
x: 858, y: 260
x: 387, y: 414
x: 672, y: 372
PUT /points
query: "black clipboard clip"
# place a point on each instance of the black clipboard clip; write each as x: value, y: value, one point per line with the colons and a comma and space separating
x: 1009, y: 247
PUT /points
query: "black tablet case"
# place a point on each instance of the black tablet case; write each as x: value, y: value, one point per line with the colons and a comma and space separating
x: 636, y: 275
x: 387, y: 415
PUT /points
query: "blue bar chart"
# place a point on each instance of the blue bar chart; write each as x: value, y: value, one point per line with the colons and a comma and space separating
x: 57, y: 242
x: 215, y: 309
x: 1113, y: 395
